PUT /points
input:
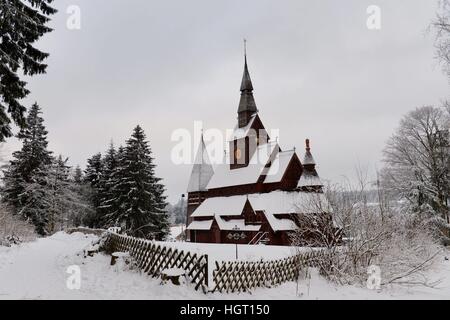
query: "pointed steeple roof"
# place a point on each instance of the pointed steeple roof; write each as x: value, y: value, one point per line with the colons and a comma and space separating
x: 202, y: 171
x: 309, y: 177
x: 246, y: 84
x: 308, y: 159
x: 247, y: 102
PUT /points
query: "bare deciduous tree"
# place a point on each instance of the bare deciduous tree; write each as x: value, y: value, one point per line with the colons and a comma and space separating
x: 441, y: 26
x: 363, y: 234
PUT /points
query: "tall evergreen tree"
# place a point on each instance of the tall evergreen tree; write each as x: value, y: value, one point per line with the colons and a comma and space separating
x: 78, y: 175
x: 108, y: 203
x: 140, y: 195
x: 22, y: 23
x: 59, y: 193
x: 28, y: 169
x: 83, y: 210
x: 67, y: 202
x: 93, y: 177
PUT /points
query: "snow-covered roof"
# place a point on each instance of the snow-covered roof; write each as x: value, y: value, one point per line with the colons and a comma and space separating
x: 222, y: 206
x: 279, y: 166
x: 239, y: 133
x: 285, y: 202
x: 308, y: 159
x: 280, y: 224
x: 233, y: 224
x: 202, y: 170
x: 225, y: 177
x: 200, y: 225
x: 309, y: 180
x: 276, y: 202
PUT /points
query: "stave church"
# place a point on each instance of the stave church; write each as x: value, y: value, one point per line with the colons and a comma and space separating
x: 252, y: 197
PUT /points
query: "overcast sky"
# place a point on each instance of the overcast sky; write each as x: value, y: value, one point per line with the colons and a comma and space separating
x: 318, y: 73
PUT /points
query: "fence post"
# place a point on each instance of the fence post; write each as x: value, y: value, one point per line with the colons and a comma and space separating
x: 206, y: 271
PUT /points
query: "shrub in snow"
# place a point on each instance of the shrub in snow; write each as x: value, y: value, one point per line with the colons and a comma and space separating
x: 14, y: 230
x: 397, y: 242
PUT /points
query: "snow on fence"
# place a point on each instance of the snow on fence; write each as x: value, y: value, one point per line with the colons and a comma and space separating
x: 234, y: 276
x: 153, y: 258
x: 241, y: 276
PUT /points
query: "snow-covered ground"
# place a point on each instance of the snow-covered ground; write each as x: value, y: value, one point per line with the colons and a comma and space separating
x: 227, y: 252
x: 37, y: 270
x: 176, y: 230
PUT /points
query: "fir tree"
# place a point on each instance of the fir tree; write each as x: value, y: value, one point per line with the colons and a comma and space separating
x: 83, y: 212
x: 28, y: 169
x: 22, y: 23
x: 140, y: 195
x: 93, y: 177
x: 68, y: 204
x: 78, y: 175
x: 59, y: 193
x: 108, y: 203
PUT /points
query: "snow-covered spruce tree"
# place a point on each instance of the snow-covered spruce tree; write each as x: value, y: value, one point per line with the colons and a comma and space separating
x: 78, y: 175
x: 82, y: 209
x: 417, y: 163
x: 139, y: 194
x: 108, y: 203
x: 28, y: 168
x: 23, y: 22
x: 56, y: 200
x: 93, y: 178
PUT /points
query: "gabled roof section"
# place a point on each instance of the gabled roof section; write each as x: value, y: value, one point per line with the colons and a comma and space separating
x: 225, y: 177
x: 202, y: 170
x: 255, y: 124
x: 279, y: 166
x: 279, y: 224
x: 235, y: 224
x: 240, y: 133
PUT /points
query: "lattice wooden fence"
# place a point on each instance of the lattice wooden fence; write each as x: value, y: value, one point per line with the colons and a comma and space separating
x: 234, y: 276
x: 153, y: 258
x: 241, y: 276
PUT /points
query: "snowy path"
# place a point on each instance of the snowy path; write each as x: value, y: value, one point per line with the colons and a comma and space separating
x: 31, y: 271
x: 37, y: 270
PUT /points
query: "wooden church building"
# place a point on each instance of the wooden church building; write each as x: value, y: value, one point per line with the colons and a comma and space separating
x: 253, y: 196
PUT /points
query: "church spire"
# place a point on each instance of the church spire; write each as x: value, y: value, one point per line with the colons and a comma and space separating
x: 247, y: 105
x: 202, y: 170
x: 246, y: 84
x: 309, y: 159
x: 309, y: 180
